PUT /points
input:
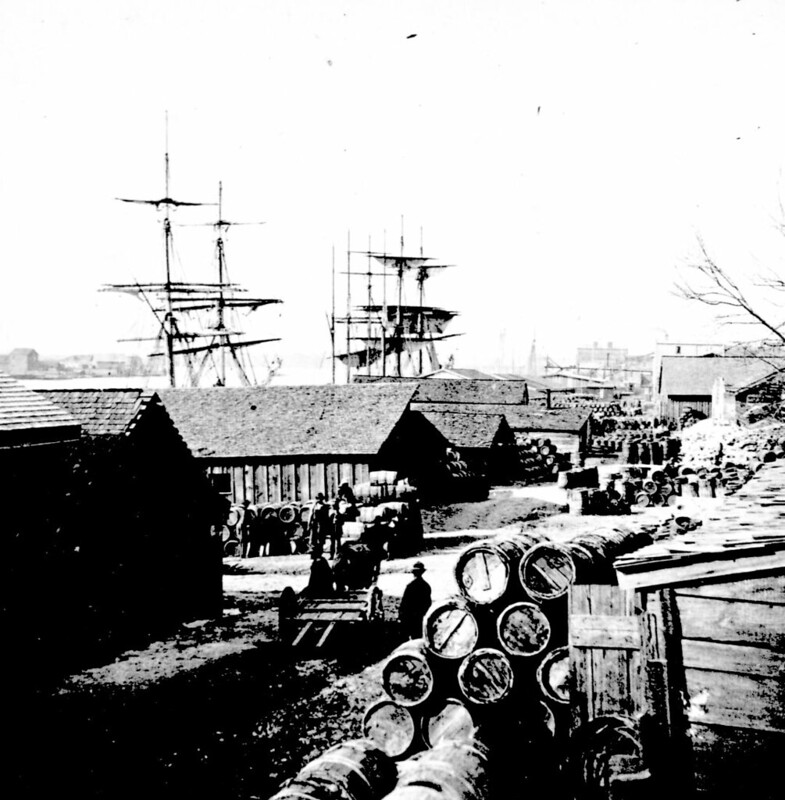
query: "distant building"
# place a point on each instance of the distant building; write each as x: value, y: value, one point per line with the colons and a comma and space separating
x: 22, y: 361
x: 687, y: 382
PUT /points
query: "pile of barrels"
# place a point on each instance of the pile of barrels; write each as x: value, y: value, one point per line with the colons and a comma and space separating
x: 383, y: 485
x: 493, y: 658
x: 540, y: 460
x: 359, y: 770
x: 480, y: 704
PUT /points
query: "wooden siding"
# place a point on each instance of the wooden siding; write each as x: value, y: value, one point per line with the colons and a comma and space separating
x: 733, y: 644
x: 273, y: 482
x: 674, y: 406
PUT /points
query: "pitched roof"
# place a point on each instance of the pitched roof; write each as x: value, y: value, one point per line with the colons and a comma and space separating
x: 28, y: 418
x: 103, y: 412
x: 355, y: 419
x: 520, y: 418
x: 471, y: 391
x: 459, y: 373
x: 466, y: 430
x: 695, y: 375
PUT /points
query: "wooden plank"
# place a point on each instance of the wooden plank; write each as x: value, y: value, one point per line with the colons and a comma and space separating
x: 326, y: 605
x: 316, y: 473
x: 248, y: 482
x: 238, y: 485
x: 327, y: 631
x: 287, y: 482
x: 331, y: 479
x: 329, y: 616
x: 301, y: 635
x: 274, y: 482
x: 345, y: 473
x: 605, y: 631
x: 732, y: 621
x: 262, y: 493
x: 770, y: 590
x: 772, y: 562
x: 724, y: 657
x: 304, y: 483
x: 740, y: 701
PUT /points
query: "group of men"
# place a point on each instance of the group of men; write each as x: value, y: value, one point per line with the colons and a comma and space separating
x: 327, y: 519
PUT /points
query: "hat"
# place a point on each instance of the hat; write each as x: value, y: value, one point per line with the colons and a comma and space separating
x: 319, y: 496
x: 418, y: 566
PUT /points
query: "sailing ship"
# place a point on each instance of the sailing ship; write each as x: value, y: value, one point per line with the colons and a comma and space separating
x: 198, y: 322
x: 389, y: 338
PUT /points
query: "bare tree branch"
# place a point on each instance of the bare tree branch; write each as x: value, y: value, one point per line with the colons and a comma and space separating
x: 719, y: 289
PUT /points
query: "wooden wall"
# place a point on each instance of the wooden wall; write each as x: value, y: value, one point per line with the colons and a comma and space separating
x: 294, y: 481
x: 733, y: 642
x: 674, y: 406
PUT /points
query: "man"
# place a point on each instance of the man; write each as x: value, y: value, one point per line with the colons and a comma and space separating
x: 336, y: 526
x: 415, y: 602
x: 246, y: 528
x: 320, y: 581
x: 319, y: 522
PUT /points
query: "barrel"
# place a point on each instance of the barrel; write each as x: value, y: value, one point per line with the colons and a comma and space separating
x: 406, y: 675
x: 450, y: 629
x: 546, y: 571
x: 305, y: 514
x: 523, y: 629
x: 483, y: 571
x: 485, y: 676
x: 368, y: 514
x: 288, y: 513
x: 234, y: 517
x: 452, y: 720
x: 457, y: 770
x: 553, y: 675
x: 391, y: 727
x: 353, y: 770
x: 269, y: 510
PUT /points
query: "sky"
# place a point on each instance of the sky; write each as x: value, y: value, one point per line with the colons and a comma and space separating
x: 563, y: 156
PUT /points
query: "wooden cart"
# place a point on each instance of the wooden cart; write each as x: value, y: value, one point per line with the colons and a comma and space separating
x: 310, y: 621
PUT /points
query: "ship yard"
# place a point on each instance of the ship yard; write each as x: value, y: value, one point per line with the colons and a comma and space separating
x: 472, y: 552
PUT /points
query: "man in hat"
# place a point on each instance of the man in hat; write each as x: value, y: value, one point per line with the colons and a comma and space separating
x: 415, y: 602
x: 320, y: 581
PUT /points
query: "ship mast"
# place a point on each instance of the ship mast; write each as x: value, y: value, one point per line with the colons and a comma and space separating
x: 195, y: 299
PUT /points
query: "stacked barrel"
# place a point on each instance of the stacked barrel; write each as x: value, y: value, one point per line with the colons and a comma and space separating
x: 493, y: 657
x: 540, y: 459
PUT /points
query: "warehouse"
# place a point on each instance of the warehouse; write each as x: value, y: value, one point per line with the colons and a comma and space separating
x: 686, y: 383
x: 286, y: 443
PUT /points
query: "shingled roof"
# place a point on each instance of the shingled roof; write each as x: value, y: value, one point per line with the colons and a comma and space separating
x: 470, y: 391
x: 467, y: 430
x: 28, y: 418
x: 355, y: 419
x: 695, y: 375
x: 520, y: 418
x: 103, y: 412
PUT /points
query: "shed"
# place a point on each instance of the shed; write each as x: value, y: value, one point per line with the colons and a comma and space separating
x: 130, y: 524
x: 286, y: 443
x: 567, y: 428
x: 686, y: 382
x: 484, y: 441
